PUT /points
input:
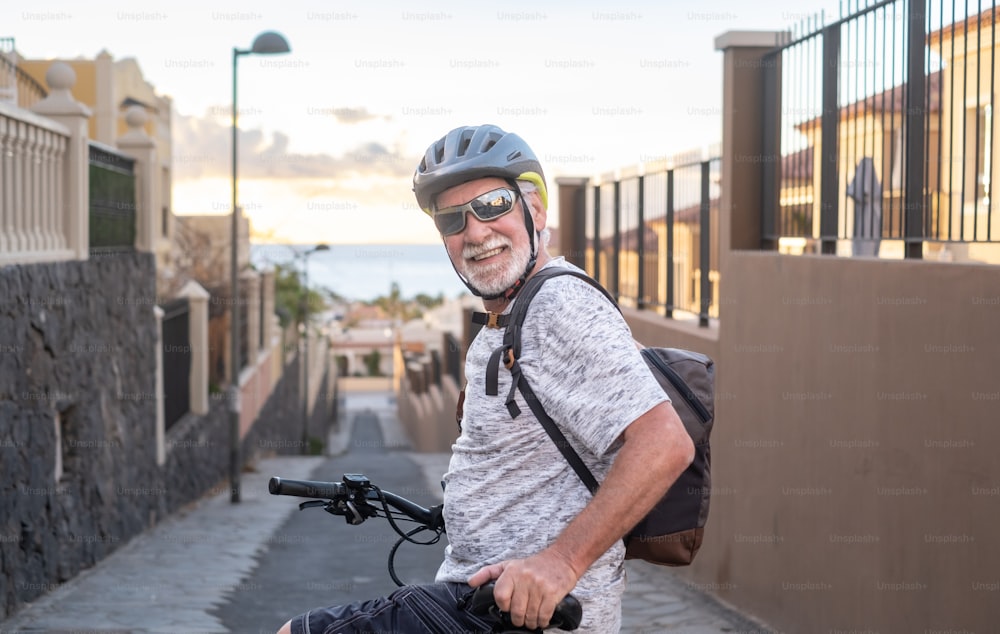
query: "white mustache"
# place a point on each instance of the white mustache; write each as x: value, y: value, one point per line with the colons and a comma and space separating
x: 474, y: 250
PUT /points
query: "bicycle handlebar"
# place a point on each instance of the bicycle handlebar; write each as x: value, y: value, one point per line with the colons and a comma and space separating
x: 341, y: 491
x: 306, y: 488
x: 353, y: 499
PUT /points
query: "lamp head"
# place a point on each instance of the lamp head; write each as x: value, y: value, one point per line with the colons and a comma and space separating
x: 270, y: 43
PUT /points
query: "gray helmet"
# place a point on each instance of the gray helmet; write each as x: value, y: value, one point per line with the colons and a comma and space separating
x: 472, y: 152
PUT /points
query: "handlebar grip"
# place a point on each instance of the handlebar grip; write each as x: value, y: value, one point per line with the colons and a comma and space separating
x: 567, y: 616
x: 306, y: 488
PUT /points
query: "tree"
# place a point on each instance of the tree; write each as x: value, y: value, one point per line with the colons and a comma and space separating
x: 372, y: 361
x: 288, y: 291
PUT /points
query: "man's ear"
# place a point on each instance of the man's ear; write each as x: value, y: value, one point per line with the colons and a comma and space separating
x: 538, y: 212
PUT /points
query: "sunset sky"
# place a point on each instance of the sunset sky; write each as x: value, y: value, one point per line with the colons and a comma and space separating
x: 331, y: 133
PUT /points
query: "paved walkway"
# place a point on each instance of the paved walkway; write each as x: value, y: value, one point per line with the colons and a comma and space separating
x: 181, y: 575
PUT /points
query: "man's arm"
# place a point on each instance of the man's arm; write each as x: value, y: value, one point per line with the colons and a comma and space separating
x: 656, y: 449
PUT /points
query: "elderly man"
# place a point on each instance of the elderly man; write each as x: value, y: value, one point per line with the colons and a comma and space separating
x: 516, y: 512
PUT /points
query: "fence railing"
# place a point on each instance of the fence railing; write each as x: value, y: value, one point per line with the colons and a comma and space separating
x: 879, y: 127
x: 33, y: 223
x: 64, y: 197
x: 176, y: 361
x: 17, y: 87
x: 112, y: 200
x: 651, y: 238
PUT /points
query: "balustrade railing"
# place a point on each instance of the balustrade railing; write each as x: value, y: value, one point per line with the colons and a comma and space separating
x: 33, y: 223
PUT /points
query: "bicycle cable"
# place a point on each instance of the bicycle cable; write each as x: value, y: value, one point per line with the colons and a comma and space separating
x: 403, y: 537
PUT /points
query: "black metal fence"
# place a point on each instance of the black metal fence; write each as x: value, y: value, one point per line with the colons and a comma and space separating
x: 176, y: 361
x: 879, y: 127
x: 652, y: 238
x: 112, y: 201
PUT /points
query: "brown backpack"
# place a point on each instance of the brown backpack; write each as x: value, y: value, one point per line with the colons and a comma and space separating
x: 671, y: 533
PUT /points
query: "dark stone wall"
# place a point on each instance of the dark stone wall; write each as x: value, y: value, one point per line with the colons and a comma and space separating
x: 77, y: 361
x: 78, y: 364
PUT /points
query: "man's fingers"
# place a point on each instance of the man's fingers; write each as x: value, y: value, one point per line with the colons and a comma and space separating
x: 533, y: 619
x: 486, y: 574
x: 516, y: 602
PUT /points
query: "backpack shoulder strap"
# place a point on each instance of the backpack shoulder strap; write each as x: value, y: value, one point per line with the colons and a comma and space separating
x: 509, y: 352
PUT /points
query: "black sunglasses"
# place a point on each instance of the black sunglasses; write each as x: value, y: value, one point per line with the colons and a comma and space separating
x: 489, y: 206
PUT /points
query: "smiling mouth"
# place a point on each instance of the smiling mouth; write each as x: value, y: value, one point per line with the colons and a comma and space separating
x: 487, y: 254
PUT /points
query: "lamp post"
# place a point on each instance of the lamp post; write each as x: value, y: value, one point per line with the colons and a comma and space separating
x: 267, y: 43
x: 304, y: 310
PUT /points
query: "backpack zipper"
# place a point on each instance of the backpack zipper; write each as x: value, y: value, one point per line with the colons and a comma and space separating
x: 675, y: 379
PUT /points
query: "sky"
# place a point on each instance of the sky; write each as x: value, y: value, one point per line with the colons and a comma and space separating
x: 330, y: 133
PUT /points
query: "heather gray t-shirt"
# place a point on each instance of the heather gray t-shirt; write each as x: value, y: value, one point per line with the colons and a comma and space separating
x: 509, y: 492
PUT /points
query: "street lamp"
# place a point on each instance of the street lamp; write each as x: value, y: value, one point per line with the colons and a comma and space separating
x: 304, y: 310
x: 267, y: 43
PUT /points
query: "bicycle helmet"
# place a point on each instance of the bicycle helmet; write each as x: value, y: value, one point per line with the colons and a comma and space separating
x: 471, y: 152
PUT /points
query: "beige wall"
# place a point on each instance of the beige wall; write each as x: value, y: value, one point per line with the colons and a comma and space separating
x: 429, y: 417
x: 855, y: 479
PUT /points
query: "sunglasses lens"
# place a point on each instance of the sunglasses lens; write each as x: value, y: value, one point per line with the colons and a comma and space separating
x: 493, y: 204
x: 488, y: 206
x: 450, y: 222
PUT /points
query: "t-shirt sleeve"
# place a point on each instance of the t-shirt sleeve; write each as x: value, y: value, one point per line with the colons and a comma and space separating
x: 583, y: 364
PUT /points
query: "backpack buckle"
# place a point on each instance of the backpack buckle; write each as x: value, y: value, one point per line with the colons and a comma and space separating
x: 509, y: 360
x: 492, y: 319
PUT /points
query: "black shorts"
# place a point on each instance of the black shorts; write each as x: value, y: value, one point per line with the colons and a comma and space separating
x: 431, y: 608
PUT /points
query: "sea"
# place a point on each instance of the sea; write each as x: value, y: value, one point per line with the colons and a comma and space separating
x: 365, y: 272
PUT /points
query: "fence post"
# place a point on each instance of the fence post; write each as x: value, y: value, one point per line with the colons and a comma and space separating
x: 743, y: 149
x: 267, y: 308
x: 640, y: 296
x: 251, y: 283
x: 60, y: 106
x: 616, y: 279
x: 573, y: 219
x: 916, y: 87
x: 705, y: 245
x: 160, y: 433
x: 140, y: 146
x: 829, y: 194
x: 198, y: 340
x: 596, y: 246
x: 668, y: 309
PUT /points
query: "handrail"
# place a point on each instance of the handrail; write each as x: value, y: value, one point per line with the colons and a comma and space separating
x: 35, y: 91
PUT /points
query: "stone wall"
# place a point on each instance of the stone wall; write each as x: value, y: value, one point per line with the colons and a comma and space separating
x: 77, y: 395
x: 78, y: 472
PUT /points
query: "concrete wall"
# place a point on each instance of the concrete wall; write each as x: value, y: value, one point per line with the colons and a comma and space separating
x: 429, y: 417
x: 855, y: 480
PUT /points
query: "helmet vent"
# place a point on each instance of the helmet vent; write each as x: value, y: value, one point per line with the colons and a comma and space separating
x: 513, y: 155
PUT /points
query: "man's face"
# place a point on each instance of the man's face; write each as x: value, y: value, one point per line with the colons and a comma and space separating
x: 490, y: 255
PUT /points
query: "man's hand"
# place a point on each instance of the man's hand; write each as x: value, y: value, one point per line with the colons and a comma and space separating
x: 529, y: 589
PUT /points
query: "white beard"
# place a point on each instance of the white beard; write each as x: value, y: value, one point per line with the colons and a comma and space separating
x: 494, y: 278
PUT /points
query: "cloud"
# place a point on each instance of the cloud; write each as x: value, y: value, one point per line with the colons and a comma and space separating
x: 354, y: 115
x: 202, y: 147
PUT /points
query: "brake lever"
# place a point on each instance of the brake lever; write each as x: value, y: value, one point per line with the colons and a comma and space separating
x: 355, y: 517
x: 304, y: 505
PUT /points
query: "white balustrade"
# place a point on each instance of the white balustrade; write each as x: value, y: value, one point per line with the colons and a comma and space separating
x: 43, y: 176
